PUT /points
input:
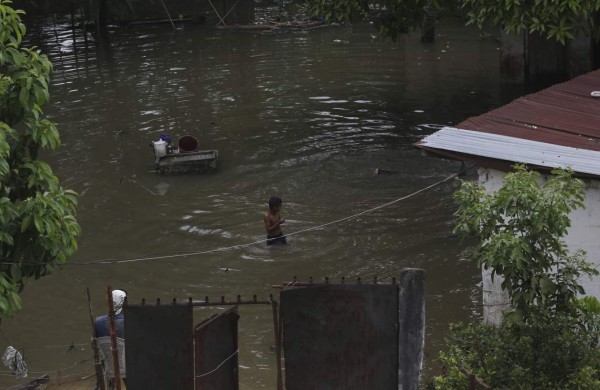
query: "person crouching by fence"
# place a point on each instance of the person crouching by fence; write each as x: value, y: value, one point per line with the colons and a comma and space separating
x: 104, y: 344
x: 102, y: 324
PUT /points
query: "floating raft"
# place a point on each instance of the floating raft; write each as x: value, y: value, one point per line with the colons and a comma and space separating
x: 201, y: 160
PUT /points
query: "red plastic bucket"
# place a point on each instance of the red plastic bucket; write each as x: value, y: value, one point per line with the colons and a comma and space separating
x: 187, y: 143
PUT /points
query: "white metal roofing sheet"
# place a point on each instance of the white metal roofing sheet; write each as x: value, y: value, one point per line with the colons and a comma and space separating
x: 513, y: 149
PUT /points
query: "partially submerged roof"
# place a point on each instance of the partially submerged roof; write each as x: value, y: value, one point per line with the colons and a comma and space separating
x: 558, y: 127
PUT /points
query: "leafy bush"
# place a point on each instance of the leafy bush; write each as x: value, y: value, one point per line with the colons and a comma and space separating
x: 519, y: 232
x: 38, y: 230
x: 552, y: 351
x: 550, y: 338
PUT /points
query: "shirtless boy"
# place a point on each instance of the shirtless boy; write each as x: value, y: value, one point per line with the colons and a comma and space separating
x: 273, y: 223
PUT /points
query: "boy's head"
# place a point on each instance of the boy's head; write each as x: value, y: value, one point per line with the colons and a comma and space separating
x: 275, y: 202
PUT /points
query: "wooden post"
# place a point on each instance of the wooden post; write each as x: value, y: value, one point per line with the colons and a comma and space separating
x: 277, y: 343
x: 428, y: 24
x: 113, y: 338
x: 411, y: 327
x: 73, y: 28
x: 97, y: 363
x: 196, y: 11
x: 101, y: 10
x: 84, y: 20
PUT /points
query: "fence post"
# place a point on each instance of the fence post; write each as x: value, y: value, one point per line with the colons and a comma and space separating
x: 411, y: 327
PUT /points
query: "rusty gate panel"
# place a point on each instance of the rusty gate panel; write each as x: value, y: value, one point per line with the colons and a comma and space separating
x: 216, y: 352
x: 340, y: 337
x: 159, y: 350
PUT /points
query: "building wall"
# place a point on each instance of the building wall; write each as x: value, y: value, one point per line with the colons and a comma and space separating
x: 583, y: 234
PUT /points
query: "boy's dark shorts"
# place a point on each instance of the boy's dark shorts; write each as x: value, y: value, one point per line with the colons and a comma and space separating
x: 278, y: 240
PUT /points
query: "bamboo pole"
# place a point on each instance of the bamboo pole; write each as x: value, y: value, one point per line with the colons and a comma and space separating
x: 228, y: 12
x: 113, y: 338
x: 217, y: 12
x: 169, y: 15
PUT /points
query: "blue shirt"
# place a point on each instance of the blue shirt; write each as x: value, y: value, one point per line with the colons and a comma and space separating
x: 102, y: 326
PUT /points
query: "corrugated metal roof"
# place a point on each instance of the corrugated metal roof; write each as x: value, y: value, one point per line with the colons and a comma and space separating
x: 501, y: 147
x: 564, y: 115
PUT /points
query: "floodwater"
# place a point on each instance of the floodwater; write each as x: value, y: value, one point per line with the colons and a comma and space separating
x: 307, y: 116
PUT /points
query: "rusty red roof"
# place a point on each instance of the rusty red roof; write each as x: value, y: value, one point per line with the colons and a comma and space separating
x: 563, y: 115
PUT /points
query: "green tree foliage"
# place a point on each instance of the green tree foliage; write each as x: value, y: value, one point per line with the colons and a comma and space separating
x: 38, y: 229
x: 550, y: 340
x: 519, y: 231
x: 556, y: 19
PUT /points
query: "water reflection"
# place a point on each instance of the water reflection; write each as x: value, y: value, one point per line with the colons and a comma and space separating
x: 297, y: 114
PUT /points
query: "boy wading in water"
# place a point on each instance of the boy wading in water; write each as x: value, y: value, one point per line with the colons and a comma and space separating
x: 273, y: 223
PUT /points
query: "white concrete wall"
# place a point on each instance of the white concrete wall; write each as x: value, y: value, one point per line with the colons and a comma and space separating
x: 583, y: 234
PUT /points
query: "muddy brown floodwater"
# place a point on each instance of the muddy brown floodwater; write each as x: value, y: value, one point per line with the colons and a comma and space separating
x: 307, y: 116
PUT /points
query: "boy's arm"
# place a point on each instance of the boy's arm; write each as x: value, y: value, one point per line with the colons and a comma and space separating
x: 268, y: 226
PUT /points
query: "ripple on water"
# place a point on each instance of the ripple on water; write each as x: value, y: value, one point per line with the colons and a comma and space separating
x: 205, y: 231
x: 332, y: 101
x: 245, y: 256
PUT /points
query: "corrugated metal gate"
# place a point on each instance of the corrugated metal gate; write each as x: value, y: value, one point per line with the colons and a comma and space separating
x: 159, y: 352
x: 216, y: 347
x: 340, y: 337
x: 160, y: 346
